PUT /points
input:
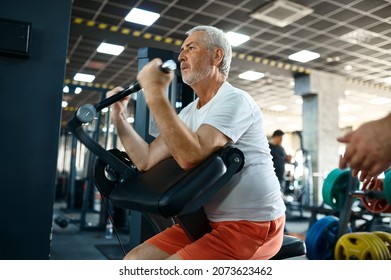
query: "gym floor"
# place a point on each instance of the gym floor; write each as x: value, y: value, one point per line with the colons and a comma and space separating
x: 70, y: 243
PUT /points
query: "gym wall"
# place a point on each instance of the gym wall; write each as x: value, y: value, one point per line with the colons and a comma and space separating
x: 30, y: 98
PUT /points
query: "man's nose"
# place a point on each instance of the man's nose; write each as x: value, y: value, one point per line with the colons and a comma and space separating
x: 181, y: 56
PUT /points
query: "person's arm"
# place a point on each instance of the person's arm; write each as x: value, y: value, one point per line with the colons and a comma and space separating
x: 142, y: 154
x: 368, y: 148
x: 187, y: 147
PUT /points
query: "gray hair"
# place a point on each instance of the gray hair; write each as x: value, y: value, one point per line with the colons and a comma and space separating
x: 216, y: 38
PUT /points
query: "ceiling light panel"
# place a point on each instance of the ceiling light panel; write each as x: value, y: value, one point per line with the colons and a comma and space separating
x: 304, y: 56
x: 251, y: 75
x: 236, y: 39
x: 142, y: 17
x: 81, y: 77
x: 110, y: 49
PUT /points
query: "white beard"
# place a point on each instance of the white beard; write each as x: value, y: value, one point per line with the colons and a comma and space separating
x: 197, y: 76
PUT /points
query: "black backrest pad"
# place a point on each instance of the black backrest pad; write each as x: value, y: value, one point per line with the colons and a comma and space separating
x: 166, y: 188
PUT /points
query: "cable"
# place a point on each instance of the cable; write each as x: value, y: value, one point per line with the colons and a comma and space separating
x: 114, y: 228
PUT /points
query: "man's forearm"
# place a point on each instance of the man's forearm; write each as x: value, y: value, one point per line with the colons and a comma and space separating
x: 135, y: 146
x: 182, y: 143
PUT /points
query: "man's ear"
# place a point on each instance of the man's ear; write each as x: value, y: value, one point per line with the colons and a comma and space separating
x: 218, y: 56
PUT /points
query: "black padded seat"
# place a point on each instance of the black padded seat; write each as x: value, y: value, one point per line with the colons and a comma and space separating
x: 166, y: 189
x: 291, y: 247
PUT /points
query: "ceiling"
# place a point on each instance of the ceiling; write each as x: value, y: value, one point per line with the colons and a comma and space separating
x: 95, y: 21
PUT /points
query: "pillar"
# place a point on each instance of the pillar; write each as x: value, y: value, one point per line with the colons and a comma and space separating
x: 321, y: 92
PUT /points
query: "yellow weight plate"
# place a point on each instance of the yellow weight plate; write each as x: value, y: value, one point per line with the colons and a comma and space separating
x: 377, y: 246
x: 385, y: 237
x: 358, y: 246
x: 352, y: 246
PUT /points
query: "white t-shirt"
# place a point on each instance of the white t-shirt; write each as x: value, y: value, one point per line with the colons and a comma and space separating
x: 254, y: 193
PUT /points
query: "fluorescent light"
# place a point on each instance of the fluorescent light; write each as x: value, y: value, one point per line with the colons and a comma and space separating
x: 236, y: 39
x: 251, y: 75
x: 65, y: 89
x: 142, y: 17
x: 84, y: 77
x: 304, y: 56
x: 380, y: 101
x: 64, y: 104
x: 78, y: 90
x: 387, y: 80
x: 130, y: 119
x: 278, y: 108
x: 110, y: 49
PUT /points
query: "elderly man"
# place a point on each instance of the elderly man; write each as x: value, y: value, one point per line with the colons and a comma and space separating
x: 248, y: 215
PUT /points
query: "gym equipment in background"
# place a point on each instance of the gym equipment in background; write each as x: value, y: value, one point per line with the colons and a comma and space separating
x: 330, y: 237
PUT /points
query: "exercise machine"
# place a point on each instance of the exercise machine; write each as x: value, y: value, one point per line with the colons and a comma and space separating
x: 165, y: 190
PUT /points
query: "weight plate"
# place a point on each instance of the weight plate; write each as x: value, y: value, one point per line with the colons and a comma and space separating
x: 371, y: 204
x: 387, y: 187
x: 321, y: 239
x: 357, y: 246
x: 379, y: 245
x: 334, y: 188
x: 385, y: 237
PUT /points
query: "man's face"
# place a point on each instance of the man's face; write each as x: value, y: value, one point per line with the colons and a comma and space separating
x: 278, y: 140
x: 195, y: 58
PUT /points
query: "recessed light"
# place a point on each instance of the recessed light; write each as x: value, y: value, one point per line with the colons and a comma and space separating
x: 387, y: 80
x: 64, y: 104
x: 236, y: 39
x: 304, y: 56
x: 65, y: 89
x: 110, y: 49
x: 278, y: 108
x: 105, y: 110
x: 380, y: 101
x: 142, y: 17
x: 84, y: 77
x: 78, y: 90
x: 348, y: 67
x: 251, y: 75
x: 130, y: 119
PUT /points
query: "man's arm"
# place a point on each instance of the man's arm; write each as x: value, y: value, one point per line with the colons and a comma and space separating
x: 142, y: 154
x: 187, y: 147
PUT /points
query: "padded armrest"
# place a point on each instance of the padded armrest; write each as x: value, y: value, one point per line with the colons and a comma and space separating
x: 166, y: 189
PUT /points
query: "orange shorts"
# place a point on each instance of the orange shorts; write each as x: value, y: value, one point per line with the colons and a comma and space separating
x: 231, y: 240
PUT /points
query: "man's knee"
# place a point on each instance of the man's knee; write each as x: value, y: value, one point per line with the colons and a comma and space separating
x: 146, y: 251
